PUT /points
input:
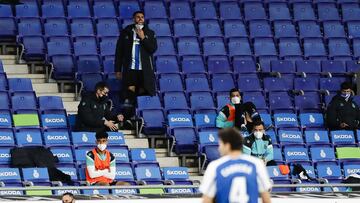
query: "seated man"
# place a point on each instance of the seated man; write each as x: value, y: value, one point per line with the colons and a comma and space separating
x: 100, y: 163
x: 237, y: 114
x: 259, y: 144
x: 94, y: 112
x: 342, y: 112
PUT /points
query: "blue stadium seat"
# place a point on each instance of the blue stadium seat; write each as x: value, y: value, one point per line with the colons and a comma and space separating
x: 257, y: 98
x: 275, y: 84
x: 264, y: 62
x: 56, y: 29
x: 153, y: 121
x: 124, y: 172
x: 50, y: 103
x: 303, y: 11
x: 5, y: 119
x: 213, y: 46
x: 205, y: 120
x: 209, y: 28
x: 308, y: 67
x: 308, y: 102
x: 104, y: 9
x: 170, y: 82
x: 175, y: 101
x: 121, y: 154
x: 314, y: 137
x: 64, y: 154
x: 296, y: 153
x: 142, y: 155
x: 356, y: 47
x: 95, y: 192
x: 108, y: 47
x: 165, y: 46
x: 278, y: 157
x: 222, y: 100
x: 350, y: 12
x: 71, y: 172
x: 7, y: 137
x: 148, y: 173
x: 148, y: 102
x: 8, y: 28
x: 59, y: 46
x: 107, y: 27
x: 20, y: 84
x: 10, y: 176
x: 339, y: 47
x: 239, y: 47
x: 207, y: 138
x: 185, y: 140
x: 259, y: 28
x: 180, y: 10
x: 311, y: 120
x: 289, y: 47
x: 275, y: 174
x: 218, y: 64
x: 322, y: 153
x: 244, y: 65
x: 282, y: 66
x: 352, y: 66
x: 279, y: 11
x: 222, y: 83
x: 229, y: 10
x: 23, y: 101
x: 78, y: 10
x: 290, y: 137
x: 80, y: 157
x: 284, y: 29
x: 188, y: 46
x: 283, y: 120
x: 192, y: 65
x: 52, y: 10
x: 202, y: 102
x: 83, y: 139
x: 333, y: 67
x: 30, y: 27
x: 309, y: 170
x: 353, y: 28
x: 342, y: 137
x: 56, y: 137
x: 6, y: 11
x: 314, y: 47
x: 194, y: 84
x: 179, y: 175
x: 127, y: 8
x: 306, y: 84
x: 82, y: 27
x: 34, y: 47
x: 85, y: 46
x: 351, y: 168
x: 234, y: 28
x: 309, y: 29
x: 155, y: 9
x: 264, y: 47
x: 328, y: 170
x: 280, y: 101
x: 327, y: 11
x: 249, y: 83
x: 161, y: 27
x: 254, y: 11
x: 5, y: 156
x: 26, y: 10
x: 63, y: 67
x: 205, y: 10
x: 184, y: 28
x: 333, y: 29
x: 330, y: 84
x: 28, y: 137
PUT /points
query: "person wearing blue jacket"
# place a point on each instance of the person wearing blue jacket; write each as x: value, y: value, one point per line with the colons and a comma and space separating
x: 259, y: 144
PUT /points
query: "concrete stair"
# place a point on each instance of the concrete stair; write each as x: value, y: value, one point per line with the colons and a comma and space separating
x: 71, y: 106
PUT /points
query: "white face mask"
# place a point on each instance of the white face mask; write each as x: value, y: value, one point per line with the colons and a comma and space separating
x: 258, y: 134
x: 101, y: 147
x: 235, y: 100
x: 139, y: 26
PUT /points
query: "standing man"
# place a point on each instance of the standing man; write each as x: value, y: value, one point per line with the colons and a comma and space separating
x: 101, y: 164
x: 133, y: 59
x: 94, y: 111
x: 342, y: 112
x: 235, y: 177
x: 237, y: 114
x: 259, y: 144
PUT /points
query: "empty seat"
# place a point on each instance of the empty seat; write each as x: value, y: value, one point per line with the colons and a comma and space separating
x: 282, y: 66
x: 209, y: 28
x: 290, y: 137
x: 342, y: 137
x: 11, y: 28
x: 56, y: 137
x: 108, y: 46
x: 107, y: 27
x: 180, y: 10
x: 184, y: 28
x: 35, y: 48
x: 193, y: 64
x: 286, y: 120
x: 314, y: 47
x: 202, y: 101
x: 322, y: 153
x: 353, y: 28
x: 205, y: 10
x: 188, y: 46
x: 289, y: 47
x: 338, y: 47
x: 284, y: 29
x: 259, y: 28
x: 142, y: 155
x: 275, y: 84
x: 254, y: 11
x: 330, y: 84
x: 175, y: 101
x: 249, y: 83
x: 218, y: 64
x: 303, y: 11
x: 78, y: 10
x: 28, y: 137
x: 257, y: 98
x: 294, y: 154
x: 167, y: 64
x: 36, y: 175
x: 279, y: 11
x: 30, y: 27
x: 234, y: 28
x: 333, y: 67
x: 160, y: 27
x: 153, y: 121
x: 327, y: 11
x: 104, y: 9
x: 59, y: 46
x: 309, y: 29
x: 329, y: 170
x: 127, y: 8
x: 185, y: 139
x: 85, y: 46
x: 280, y: 101
x: 20, y: 84
x: 5, y: 11
x: 333, y: 29
x: 310, y: 101
x: 222, y: 83
x: 239, y: 47
x: 264, y: 47
x: 50, y: 103
x: 155, y: 9
x: 63, y: 67
x: 194, y: 84
x: 213, y: 46
x: 170, y: 82
x: 314, y: 137
x: 306, y: 84
x: 229, y: 10
x: 82, y: 27
x: 27, y: 10
x: 55, y: 29
x: 350, y: 13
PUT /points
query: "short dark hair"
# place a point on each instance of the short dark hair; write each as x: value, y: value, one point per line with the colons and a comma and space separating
x: 69, y: 194
x: 258, y: 122
x: 234, y: 90
x: 346, y: 85
x: 233, y: 137
x: 101, y: 86
x: 101, y: 134
x: 137, y: 12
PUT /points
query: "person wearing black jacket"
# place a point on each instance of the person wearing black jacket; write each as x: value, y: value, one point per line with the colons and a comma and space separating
x: 133, y: 59
x: 342, y: 112
x: 94, y: 112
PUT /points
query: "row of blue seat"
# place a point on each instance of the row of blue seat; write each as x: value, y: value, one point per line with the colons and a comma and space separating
x: 202, y: 10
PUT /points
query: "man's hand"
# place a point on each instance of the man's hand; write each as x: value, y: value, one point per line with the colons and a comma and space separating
x: 140, y: 33
x: 110, y: 125
x: 118, y: 75
x: 120, y: 117
x: 343, y: 125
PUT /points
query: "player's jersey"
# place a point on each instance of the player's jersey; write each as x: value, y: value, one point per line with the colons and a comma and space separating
x: 237, y: 180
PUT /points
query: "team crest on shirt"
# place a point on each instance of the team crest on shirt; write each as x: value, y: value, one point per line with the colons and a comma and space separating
x: 353, y: 105
x: 84, y: 103
x: 341, y: 104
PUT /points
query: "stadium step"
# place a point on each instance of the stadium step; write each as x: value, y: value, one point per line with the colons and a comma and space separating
x: 193, y: 171
x: 35, y: 78
x: 168, y: 161
x: 137, y: 143
x: 162, y: 152
x: 8, y: 61
x: 45, y: 88
x: 16, y: 69
x: 7, y: 57
x: 70, y: 106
